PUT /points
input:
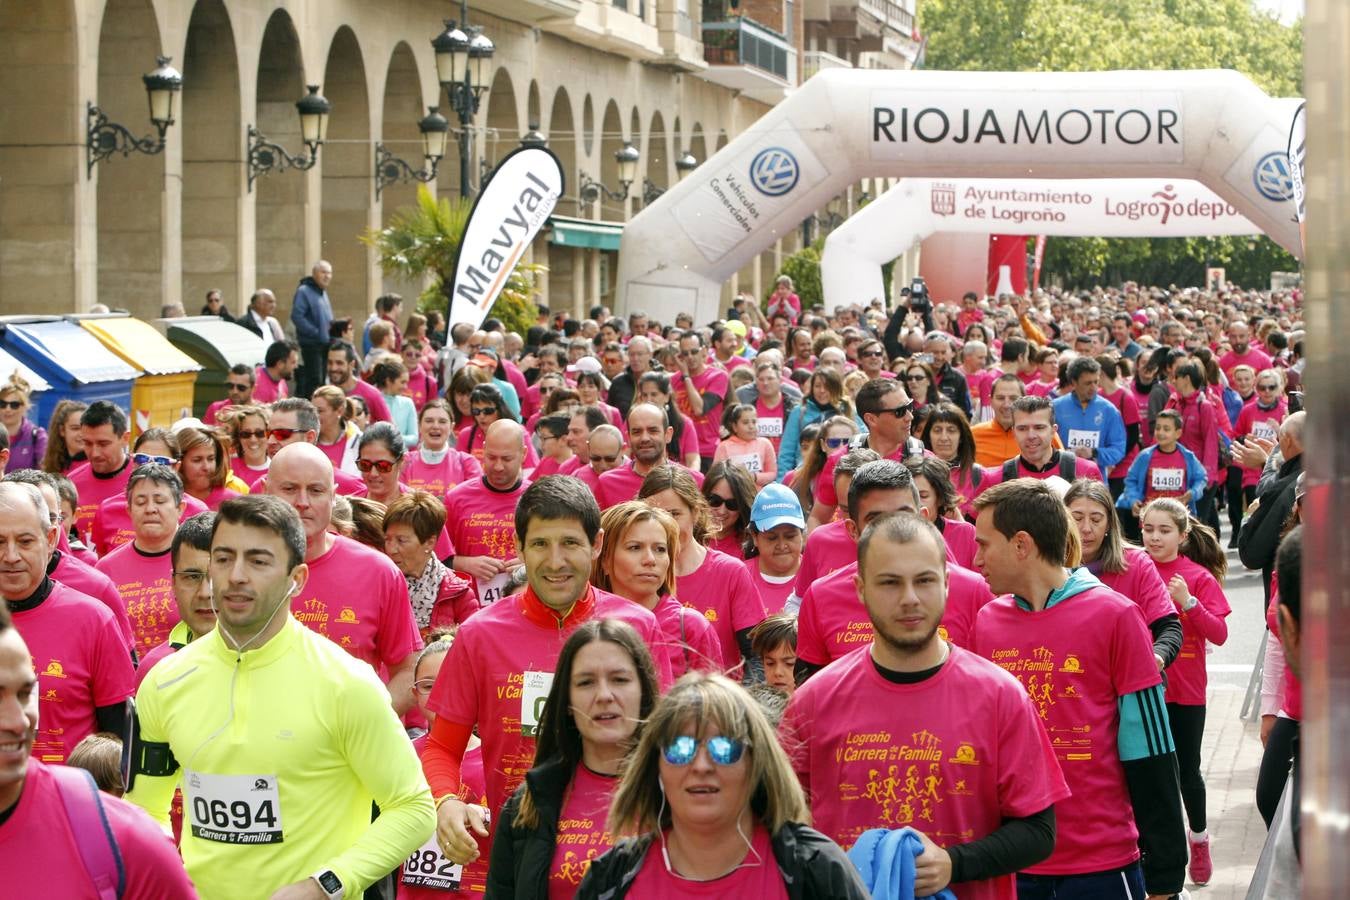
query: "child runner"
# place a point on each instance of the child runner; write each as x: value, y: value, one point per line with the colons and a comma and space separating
x: 1166, y: 469
x: 774, y: 643
x: 1192, y: 562
x: 744, y: 447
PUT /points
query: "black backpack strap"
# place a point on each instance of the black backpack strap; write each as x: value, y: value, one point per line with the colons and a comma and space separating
x: 1010, y: 469
x: 1068, y: 466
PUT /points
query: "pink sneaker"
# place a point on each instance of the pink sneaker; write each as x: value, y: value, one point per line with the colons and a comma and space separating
x: 1202, y: 867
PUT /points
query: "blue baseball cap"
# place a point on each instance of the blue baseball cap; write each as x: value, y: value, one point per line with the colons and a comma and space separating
x: 776, y: 505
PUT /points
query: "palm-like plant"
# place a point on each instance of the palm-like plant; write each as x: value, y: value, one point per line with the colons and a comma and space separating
x: 424, y: 239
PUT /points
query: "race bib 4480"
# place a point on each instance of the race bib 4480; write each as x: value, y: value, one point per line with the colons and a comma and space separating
x: 233, y: 809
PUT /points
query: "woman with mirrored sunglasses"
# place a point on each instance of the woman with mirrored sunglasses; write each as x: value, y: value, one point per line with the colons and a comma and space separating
x: 712, y: 804
x: 553, y: 826
x: 730, y: 492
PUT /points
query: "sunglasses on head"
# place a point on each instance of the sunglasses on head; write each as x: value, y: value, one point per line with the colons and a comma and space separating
x: 246, y: 433
x: 383, y: 466
x: 12, y: 404
x: 281, y: 434
x: 483, y: 410
x: 144, y: 459
x: 723, y: 751
x: 834, y: 443
x: 717, y: 501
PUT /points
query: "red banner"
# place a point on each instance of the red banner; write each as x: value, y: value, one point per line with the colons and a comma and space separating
x: 1036, y: 269
x: 1007, y: 250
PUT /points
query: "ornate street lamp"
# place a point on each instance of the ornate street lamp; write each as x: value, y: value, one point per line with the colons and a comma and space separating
x: 435, y: 129
x: 104, y: 138
x: 265, y: 156
x: 627, y: 157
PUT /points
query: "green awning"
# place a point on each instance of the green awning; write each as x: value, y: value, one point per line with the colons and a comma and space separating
x: 585, y: 233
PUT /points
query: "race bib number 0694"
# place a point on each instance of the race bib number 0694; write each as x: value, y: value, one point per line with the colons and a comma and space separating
x: 233, y: 809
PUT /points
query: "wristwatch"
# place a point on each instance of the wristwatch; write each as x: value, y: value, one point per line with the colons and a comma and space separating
x: 330, y: 884
x: 1190, y: 603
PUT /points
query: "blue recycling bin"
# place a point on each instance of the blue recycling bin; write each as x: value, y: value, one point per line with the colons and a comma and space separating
x: 74, y: 363
x: 36, y: 383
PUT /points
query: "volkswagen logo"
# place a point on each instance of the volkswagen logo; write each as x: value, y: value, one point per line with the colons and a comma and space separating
x: 1272, y: 177
x: 774, y: 171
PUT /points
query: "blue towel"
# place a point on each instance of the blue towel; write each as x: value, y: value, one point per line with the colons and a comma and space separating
x: 885, y: 859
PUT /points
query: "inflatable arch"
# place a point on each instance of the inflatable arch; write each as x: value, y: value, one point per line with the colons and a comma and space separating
x: 1215, y: 127
x: 850, y: 267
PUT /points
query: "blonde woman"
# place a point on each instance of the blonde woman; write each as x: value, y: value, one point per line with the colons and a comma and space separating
x: 27, y: 441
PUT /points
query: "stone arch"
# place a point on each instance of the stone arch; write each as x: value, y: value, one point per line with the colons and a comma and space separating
x: 658, y: 153
x: 130, y: 189
x: 721, y: 140
x: 532, y: 109
x: 281, y: 197
x: 347, y: 163
x: 587, y: 126
x: 503, y: 121
x: 212, y: 154
x: 41, y: 207
x: 611, y: 140
x: 402, y: 109
x: 564, y: 141
x: 697, y: 145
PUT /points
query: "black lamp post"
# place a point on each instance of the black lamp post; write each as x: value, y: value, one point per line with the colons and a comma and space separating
x: 104, y: 138
x: 627, y: 157
x: 265, y: 156
x: 462, y: 66
x: 685, y: 164
x: 435, y: 131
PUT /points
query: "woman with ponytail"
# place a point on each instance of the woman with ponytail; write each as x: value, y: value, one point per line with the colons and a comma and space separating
x: 1192, y: 562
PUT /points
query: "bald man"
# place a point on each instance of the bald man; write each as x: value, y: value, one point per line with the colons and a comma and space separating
x: 480, y: 513
x: 649, y: 432
x: 355, y: 596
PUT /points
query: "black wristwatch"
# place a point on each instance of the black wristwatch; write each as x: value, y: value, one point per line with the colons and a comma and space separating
x: 329, y: 883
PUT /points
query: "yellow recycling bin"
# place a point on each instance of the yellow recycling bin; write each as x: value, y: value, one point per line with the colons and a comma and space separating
x: 161, y: 396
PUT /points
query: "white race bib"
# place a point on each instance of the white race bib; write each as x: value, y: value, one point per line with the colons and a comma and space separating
x: 1083, y: 439
x: 769, y: 428
x: 233, y: 809
x: 1163, y: 480
x: 493, y: 589
x: 533, y: 692
x: 749, y: 462
x: 428, y: 868
x: 1266, y: 430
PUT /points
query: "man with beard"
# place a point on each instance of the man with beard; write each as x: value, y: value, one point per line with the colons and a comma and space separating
x: 648, y: 432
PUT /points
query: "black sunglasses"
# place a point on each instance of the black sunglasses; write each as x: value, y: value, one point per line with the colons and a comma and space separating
x: 12, y: 404
x: 717, y: 501
x: 483, y: 410
x: 899, y: 412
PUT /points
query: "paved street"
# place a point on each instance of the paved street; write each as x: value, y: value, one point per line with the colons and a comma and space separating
x: 1232, y: 747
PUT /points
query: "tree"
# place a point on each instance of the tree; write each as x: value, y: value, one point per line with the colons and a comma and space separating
x: 1077, y: 36
x: 803, y: 267
x: 424, y: 240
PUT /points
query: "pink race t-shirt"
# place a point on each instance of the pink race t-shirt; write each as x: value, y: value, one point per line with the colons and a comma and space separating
x: 959, y: 536
x: 825, y: 492
x: 708, y: 425
x: 759, y: 879
x: 689, y: 642
x: 769, y: 422
x: 833, y: 621
x: 1254, y: 357
x: 499, y: 671
x: 1140, y: 583
x: 828, y: 549
x: 358, y: 599
x: 112, y: 523
x: 1187, y: 677
x: 265, y: 390
x: 581, y: 835
x: 773, y: 591
x: 726, y: 544
x: 1076, y: 658
x: 721, y: 591
x: 145, y: 582
x: 79, y: 576
x: 40, y: 857
x: 379, y: 410
x: 473, y: 877
x: 81, y: 664
x: 623, y: 483
x: 1258, y: 422
x: 93, y: 490
x: 952, y: 755
x: 482, y: 522
x: 246, y: 473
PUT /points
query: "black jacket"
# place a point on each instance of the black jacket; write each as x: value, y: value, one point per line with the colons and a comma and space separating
x: 1260, y: 535
x: 521, y: 858
x: 813, y: 867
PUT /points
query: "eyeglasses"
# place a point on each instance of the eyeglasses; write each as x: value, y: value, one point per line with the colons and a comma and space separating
x: 870, y: 354
x: 916, y: 377
x: 383, y: 466
x: 246, y: 433
x: 899, y: 412
x: 237, y: 387
x: 836, y: 442
x: 12, y: 404
x: 189, y: 578
x: 723, y: 751
x: 423, y: 686
x: 282, y: 434
x: 717, y: 501
x: 144, y: 459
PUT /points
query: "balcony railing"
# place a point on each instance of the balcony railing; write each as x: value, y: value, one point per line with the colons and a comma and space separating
x: 740, y: 41
x: 892, y: 14
x: 815, y: 60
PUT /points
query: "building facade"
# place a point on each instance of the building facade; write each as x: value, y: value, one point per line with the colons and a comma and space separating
x: 140, y: 231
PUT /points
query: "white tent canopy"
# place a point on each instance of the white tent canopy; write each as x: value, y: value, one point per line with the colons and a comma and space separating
x: 842, y: 125
x: 850, y: 267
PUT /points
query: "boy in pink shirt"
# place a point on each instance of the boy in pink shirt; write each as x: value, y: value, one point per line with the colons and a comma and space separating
x: 1085, y: 658
x: 908, y: 730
